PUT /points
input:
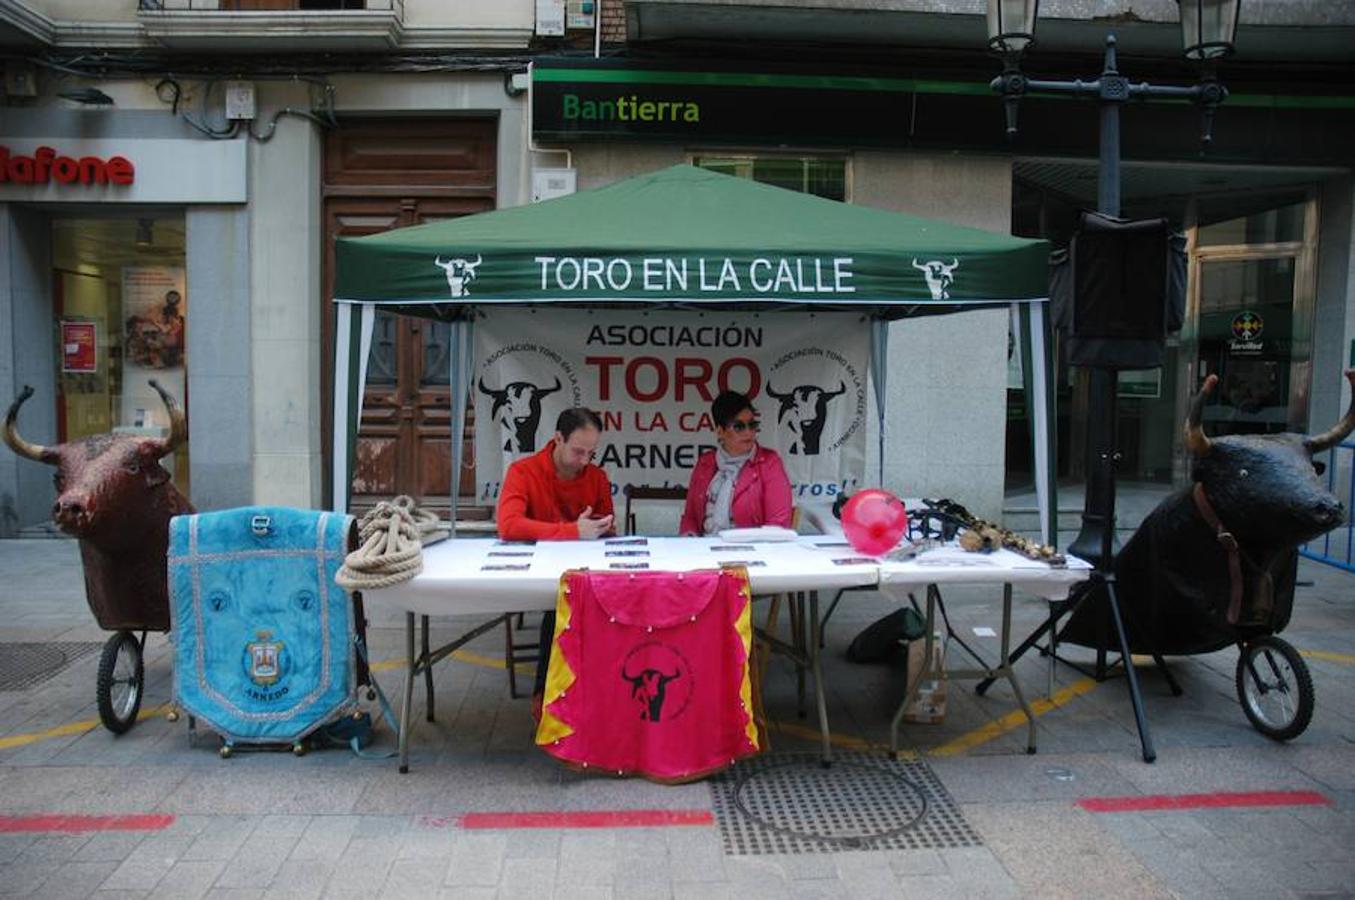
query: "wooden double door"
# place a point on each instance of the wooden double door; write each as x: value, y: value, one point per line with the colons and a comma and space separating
x: 388, y: 174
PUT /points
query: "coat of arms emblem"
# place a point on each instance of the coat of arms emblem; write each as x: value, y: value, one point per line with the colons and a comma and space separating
x: 265, y: 659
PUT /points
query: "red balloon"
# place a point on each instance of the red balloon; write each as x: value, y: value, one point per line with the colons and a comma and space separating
x: 874, y: 521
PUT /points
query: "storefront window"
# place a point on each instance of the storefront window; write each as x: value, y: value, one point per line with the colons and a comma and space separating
x: 820, y: 177
x: 120, y: 303
x: 1273, y: 226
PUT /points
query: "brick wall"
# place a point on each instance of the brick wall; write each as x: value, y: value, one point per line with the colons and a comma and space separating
x: 613, y: 21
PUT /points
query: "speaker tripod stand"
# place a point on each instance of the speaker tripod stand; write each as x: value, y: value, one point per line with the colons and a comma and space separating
x: 1100, y: 586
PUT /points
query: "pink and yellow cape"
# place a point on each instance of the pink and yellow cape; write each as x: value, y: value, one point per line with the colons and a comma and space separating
x: 650, y: 673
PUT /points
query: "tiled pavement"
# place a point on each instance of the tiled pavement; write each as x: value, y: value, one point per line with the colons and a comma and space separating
x: 332, y: 825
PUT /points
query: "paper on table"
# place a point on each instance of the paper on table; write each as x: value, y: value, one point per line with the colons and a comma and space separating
x: 763, y: 534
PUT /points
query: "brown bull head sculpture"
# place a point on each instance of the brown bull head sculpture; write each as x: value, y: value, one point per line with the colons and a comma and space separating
x: 113, y: 494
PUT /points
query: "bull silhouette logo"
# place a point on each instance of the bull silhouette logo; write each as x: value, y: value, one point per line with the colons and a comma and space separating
x: 460, y: 273
x: 939, y: 276
x: 659, y: 678
x: 649, y: 688
x: 804, y: 409
x: 517, y: 409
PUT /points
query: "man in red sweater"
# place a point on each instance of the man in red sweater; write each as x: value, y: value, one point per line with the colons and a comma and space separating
x: 558, y: 494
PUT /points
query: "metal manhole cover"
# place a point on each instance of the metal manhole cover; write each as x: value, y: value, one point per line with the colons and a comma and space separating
x: 24, y: 665
x: 789, y: 803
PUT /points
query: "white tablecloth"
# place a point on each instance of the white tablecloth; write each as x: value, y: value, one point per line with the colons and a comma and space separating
x: 951, y: 565
x: 455, y: 580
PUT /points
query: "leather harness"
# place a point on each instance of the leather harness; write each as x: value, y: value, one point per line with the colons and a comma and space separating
x: 1228, y: 541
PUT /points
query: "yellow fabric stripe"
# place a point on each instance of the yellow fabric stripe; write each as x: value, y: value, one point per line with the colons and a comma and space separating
x: 744, y: 626
x: 559, y: 676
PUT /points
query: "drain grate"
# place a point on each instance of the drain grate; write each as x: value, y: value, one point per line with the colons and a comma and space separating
x: 789, y: 803
x: 24, y: 665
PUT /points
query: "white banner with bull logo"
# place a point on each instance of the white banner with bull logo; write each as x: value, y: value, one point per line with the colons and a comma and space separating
x: 652, y: 376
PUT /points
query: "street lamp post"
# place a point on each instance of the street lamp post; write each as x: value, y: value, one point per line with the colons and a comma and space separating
x: 1208, y: 28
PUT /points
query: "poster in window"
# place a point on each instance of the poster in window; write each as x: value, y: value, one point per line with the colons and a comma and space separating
x: 153, y: 310
x: 79, y: 347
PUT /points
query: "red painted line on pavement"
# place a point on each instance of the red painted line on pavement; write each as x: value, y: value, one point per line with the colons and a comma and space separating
x: 73, y: 824
x: 621, y: 818
x: 1217, y: 800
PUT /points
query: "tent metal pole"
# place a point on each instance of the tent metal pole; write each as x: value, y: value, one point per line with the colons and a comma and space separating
x: 343, y: 347
x: 879, y: 367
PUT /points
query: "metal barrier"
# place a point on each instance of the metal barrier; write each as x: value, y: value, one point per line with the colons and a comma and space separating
x: 1337, y: 547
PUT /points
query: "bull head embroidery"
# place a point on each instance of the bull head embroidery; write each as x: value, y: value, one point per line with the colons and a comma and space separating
x: 649, y: 687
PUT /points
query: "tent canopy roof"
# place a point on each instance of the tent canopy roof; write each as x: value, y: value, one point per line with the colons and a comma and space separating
x: 690, y: 237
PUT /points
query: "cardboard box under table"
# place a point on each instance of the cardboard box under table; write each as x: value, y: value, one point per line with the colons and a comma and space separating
x: 951, y: 565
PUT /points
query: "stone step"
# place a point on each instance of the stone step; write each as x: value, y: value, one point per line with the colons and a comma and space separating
x: 46, y: 529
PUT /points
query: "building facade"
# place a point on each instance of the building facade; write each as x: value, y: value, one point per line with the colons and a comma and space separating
x: 259, y: 130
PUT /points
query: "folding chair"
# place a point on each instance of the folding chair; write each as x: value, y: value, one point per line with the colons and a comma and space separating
x: 646, y: 492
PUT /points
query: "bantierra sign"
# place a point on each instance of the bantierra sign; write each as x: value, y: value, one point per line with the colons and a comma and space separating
x: 761, y: 275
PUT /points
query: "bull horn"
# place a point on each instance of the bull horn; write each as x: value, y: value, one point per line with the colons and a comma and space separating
x: 544, y: 391
x: 1196, y: 441
x: 1341, y: 429
x: 771, y: 392
x: 916, y: 266
x: 178, y: 425
x: 475, y: 265
x: 437, y: 261
x: 841, y: 389
x: 35, y: 452
x: 489, y: 392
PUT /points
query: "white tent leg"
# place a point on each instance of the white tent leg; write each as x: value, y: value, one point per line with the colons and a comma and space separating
x: 879, y: 368
x: 352, y: 344
x: 1041, y: 369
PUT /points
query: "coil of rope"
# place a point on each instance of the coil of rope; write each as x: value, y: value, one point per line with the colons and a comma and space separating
x: 393, y: 534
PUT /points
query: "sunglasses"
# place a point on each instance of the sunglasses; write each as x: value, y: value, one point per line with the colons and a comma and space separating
x: 740, y: 427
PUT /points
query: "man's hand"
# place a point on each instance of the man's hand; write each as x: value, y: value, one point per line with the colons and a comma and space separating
x: 591, y: 528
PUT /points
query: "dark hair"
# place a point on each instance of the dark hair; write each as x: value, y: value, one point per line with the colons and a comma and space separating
x: 571, y: 420
x: 727, y: 407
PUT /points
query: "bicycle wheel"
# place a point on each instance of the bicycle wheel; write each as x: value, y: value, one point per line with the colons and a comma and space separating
x: 1275, y: 688
x: 121, y: 679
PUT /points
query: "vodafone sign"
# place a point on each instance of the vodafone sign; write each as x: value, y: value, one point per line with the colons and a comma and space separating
x: 48, y: 166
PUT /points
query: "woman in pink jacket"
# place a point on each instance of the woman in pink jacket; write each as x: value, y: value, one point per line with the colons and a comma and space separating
x: 738, y: 485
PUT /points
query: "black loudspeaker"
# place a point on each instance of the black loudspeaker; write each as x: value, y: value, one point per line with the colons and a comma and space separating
x: 1118, y: 290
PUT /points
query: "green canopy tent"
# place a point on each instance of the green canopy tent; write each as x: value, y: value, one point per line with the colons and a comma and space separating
x: 686, y: 238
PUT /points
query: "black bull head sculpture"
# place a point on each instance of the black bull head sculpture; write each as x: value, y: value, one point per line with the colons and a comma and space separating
x: 1216, y: 561
x: 113, y: 494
